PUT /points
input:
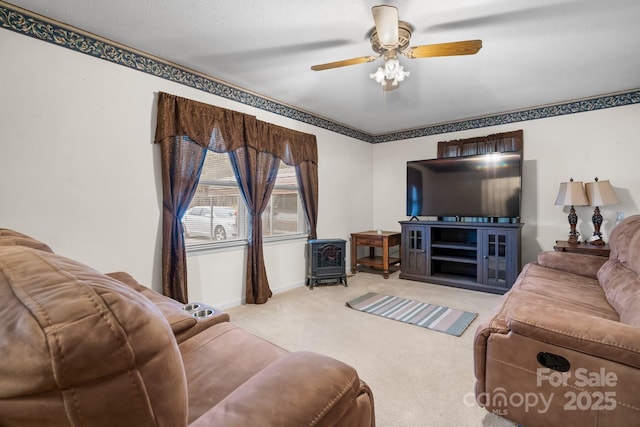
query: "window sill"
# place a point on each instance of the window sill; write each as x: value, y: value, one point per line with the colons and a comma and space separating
x: 225, y: 246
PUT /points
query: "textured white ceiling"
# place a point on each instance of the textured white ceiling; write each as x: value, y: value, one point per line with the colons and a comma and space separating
x: 535, y: 52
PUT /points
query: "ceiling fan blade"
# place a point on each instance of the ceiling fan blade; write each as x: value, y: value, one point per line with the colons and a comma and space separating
x: 467, y: 47
x: 344, y: 63
x: 386, y: 19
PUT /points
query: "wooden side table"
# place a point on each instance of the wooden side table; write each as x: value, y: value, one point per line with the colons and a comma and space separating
x: 385, y: 240
x: 582, y: 248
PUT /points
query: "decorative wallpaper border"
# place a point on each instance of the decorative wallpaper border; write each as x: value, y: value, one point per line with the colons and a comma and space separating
x: 580, y: 106
x: 23, y: 22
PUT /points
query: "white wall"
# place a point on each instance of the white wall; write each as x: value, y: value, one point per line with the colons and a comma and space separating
x: 79, y: 171
x: 602, y: 143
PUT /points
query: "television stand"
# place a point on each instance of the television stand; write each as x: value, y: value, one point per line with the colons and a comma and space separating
x: 482, y: 256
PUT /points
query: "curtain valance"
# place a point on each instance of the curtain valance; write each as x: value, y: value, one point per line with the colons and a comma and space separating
x: 498, y: 142
x: 223, y: 130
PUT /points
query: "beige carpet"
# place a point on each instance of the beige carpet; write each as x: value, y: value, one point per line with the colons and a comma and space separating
x: 419, y: 377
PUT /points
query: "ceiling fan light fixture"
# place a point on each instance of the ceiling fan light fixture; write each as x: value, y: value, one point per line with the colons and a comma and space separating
x: 392, y: 72
x: 389, y: 39
x: 378, y: 76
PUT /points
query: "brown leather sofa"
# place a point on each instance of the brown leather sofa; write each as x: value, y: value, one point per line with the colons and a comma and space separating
x: 86, y: 349
x: 563, y: 347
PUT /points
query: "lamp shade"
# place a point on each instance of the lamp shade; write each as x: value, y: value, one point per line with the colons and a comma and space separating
x: 571, y: 194
x: 600, y: 193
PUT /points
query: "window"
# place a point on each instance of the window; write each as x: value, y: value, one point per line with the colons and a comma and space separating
x: 218, y: 213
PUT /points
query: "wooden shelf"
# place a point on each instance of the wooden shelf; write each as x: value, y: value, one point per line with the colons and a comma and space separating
x: 457, y: 278
x: 376, y: 261
x: 453, y: 245
x: 464, y: 260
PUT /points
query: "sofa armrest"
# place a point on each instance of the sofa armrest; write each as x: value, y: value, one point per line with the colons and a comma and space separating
x: 300, y: 389
x: 183, y: 324
x: 593, y: 335
x: 582, y: 264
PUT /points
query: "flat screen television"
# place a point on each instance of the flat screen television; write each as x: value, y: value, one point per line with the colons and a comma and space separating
x: 483, y: 186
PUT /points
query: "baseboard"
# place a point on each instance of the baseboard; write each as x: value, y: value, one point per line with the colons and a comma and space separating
x: 241, y: 301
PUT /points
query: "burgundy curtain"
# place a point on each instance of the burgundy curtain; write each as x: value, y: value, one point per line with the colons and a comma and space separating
x: 183, y: 160
x: 307, y: 175
x: 256, y: 173
x: 208, y: 127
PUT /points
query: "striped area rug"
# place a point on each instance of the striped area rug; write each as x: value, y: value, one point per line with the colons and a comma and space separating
x: 436, y: 317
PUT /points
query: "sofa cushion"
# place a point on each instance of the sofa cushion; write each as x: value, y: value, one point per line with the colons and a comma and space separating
x: 80, y: 348
x: 539, y: 286
x: 625, y: 243
x: 311, y: 389
x: 564, y: 290
x: 14, y: 238
x: 228, y: 354
x: 580, y: 264
x: 622, y: 289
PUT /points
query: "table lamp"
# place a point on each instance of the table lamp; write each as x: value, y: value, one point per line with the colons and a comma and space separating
x: 571, y: 194
x: 599, y: 193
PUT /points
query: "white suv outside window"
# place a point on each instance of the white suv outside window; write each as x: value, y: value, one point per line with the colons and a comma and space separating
x: 212, y: 222
x: 218, y: 213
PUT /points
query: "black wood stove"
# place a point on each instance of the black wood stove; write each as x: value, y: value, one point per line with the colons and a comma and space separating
x: 326, y: 262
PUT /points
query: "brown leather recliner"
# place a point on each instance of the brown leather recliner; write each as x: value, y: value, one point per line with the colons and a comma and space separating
x: 87, y: 349
x: 563, y: 346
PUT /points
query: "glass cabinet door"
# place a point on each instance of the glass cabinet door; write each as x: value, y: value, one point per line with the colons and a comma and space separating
x: 495, y: 258
x: 414, y: 260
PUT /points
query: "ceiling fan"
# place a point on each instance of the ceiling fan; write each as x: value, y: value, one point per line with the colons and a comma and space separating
x: 390, y: 38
